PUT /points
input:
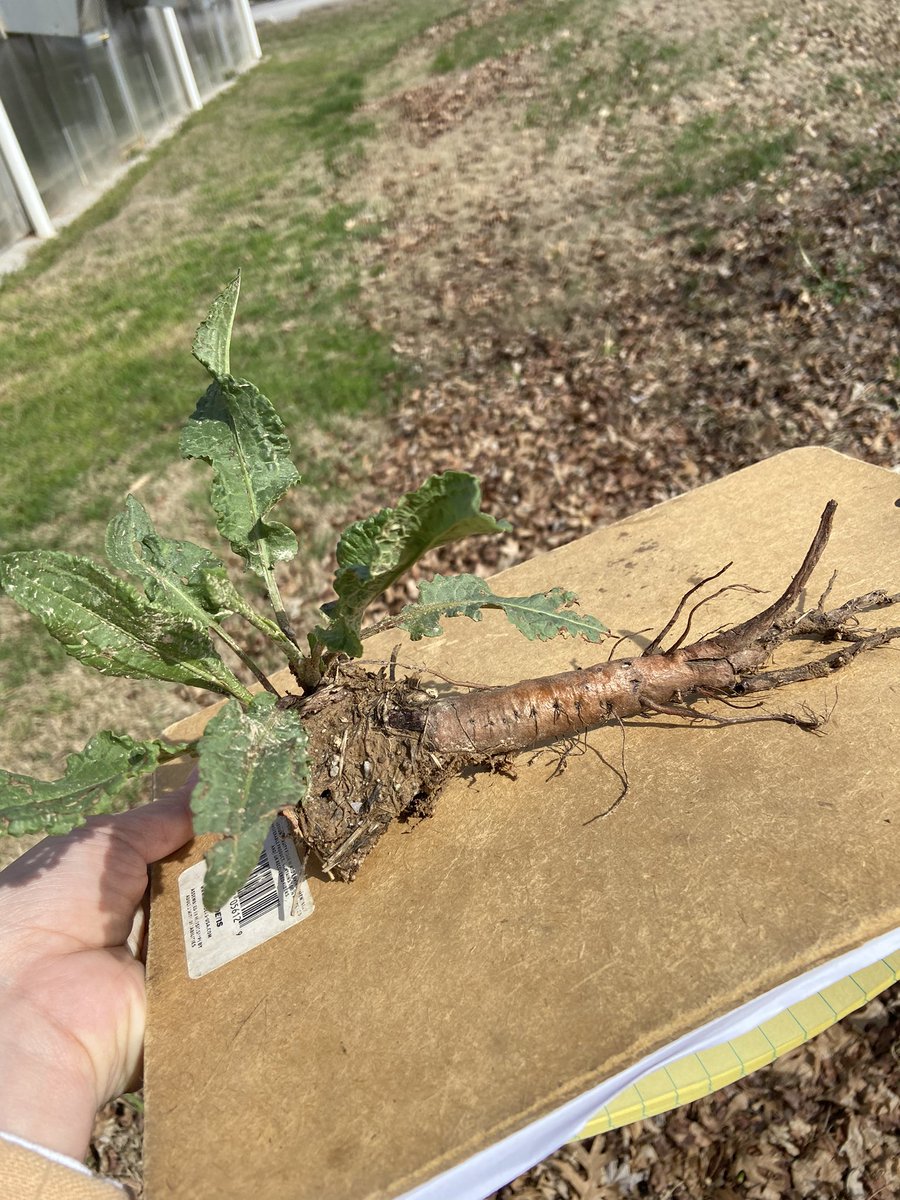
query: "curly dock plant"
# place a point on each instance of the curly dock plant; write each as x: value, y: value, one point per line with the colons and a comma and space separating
x: 347, y: 751
x: 254, y: 756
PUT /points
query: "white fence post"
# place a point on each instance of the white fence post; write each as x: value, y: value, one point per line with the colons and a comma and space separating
x: 15, y: 160
x: 185, y: 70
x: 249, y: 27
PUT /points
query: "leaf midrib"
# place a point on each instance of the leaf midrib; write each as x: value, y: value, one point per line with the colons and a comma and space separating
x: 133, y: 639
x: 516, y: 603
x: 259, y: 543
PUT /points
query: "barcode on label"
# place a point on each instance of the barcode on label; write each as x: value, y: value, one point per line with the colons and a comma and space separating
x: 260, y: 893
x: 275, y: 898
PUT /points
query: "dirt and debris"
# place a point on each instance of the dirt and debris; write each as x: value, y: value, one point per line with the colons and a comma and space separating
x: 435, y: 108
x: 363, y: 775
x: 116, y: 1143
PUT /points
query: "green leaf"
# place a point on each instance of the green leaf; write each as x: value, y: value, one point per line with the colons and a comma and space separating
x: 94, y: 776
x: 221, y: 593
x: 542, y: 616
x: 213, y: 339
x: 253, y: 762
x: 237, y: 431
x: 373, y: 553
x: 106, y: 624
x: 179, y: 575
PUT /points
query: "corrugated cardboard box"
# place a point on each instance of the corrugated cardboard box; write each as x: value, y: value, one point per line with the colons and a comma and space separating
x: 499, y: 959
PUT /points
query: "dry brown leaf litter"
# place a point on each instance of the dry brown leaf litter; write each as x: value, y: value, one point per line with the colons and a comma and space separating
x: 116, y: 1144
x: 588, y: 349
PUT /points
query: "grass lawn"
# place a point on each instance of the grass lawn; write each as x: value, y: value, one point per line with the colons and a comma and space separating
x: 96, y: 330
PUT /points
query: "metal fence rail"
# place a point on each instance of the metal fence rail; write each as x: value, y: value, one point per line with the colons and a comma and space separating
x: 85, y: 84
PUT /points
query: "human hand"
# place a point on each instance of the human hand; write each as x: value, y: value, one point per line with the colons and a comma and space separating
x: 72, y: 1002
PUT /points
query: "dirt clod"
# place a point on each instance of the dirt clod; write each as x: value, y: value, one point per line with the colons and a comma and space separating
x: 364, y: 776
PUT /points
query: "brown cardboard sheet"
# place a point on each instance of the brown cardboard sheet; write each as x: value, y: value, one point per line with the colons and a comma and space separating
x: 505, y: 955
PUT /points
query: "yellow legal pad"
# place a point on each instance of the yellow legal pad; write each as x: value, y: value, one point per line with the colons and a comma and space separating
x: 698, y: 1075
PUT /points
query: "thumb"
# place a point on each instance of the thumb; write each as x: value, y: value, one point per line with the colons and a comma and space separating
x: 156, y: 829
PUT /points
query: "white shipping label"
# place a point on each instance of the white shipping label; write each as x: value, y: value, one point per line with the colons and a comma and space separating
x: 274, y: 898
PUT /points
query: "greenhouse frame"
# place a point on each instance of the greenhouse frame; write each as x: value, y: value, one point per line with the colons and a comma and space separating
x: 86, y: 85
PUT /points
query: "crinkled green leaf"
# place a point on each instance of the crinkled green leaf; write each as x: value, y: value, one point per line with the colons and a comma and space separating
x: 94, y: 776
x: 176, y: 574
x: 541, y: 616
x: 237, y: 431
x: 212, y: 343
x: 373, y: 553
x: 221, y: 594
x: 218, y: 592
x: 253, y: 762
x: 108, y: 625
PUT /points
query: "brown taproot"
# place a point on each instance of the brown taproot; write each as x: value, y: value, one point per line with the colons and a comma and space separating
x: 384, y: 748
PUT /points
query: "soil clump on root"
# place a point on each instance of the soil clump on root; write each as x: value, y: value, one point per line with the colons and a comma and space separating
x: 365, y: 775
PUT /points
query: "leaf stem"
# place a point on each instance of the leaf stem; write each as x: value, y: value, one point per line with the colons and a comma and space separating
x: 239, y: 693
x: 284, y: 625
x: 276, y: 632
x: 438, y: 608
x: 178, y: 750
x: 243, y: 656
x: 383, y: 625
x: 312, y: 670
